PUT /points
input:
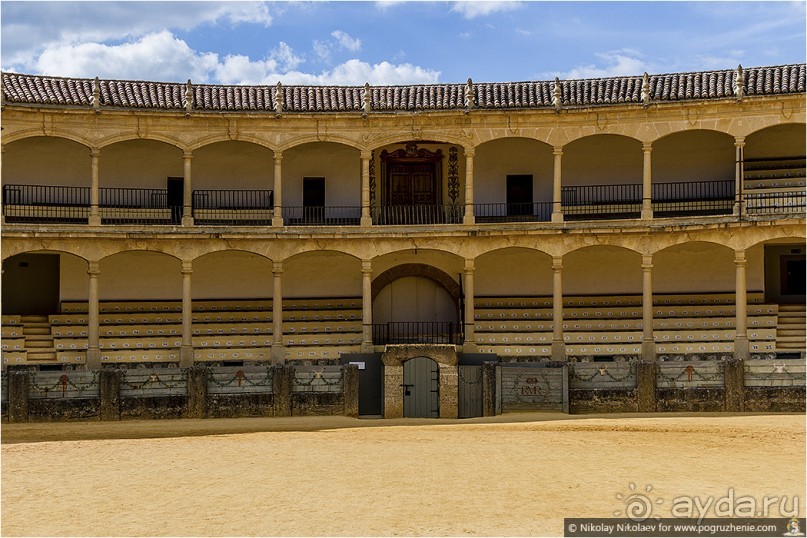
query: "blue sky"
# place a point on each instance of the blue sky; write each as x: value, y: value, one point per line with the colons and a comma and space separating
x: 393, y: 42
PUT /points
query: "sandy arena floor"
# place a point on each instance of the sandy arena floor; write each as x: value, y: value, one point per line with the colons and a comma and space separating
x: 512, y: 475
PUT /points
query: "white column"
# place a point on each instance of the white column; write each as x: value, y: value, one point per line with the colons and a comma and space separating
x: 468, y: 289
x: 469, y: 186
x: 741, y: 347
x: 739, y: 188
x: 187, y: 196
x: 366, y: 219
x: 186, y: 349
x: 648, y: 340
x: 277, y: 194
x: 558, y: 347
x: 367, y: 306
x: 647, y: 182
x: 93, y: 328
x: 95, y: 216
x: 557, y: 210
x: 278, y: 349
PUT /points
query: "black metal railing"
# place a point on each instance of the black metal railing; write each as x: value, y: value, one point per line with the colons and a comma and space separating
x: 46, y: 204
x: 322, y: 216
x: 693, y: 198
x: 137, y: 206
x: 529, y: 212
x: 585, y: 202
x: 775, y: 203
x: 418, y: 214
x: 417, y: 332
x: 233, y: 207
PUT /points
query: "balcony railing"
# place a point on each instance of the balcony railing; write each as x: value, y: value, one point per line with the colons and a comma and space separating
x: 418, y: 214
x: 322, y: 216
x: 775, y: 203
x: 587, y: 202
x: 137, y: 206
x: 417, y: 332
x: 693, y: 198
x: 46, y: 204
x: 531, y: 212
x: 233, y: 208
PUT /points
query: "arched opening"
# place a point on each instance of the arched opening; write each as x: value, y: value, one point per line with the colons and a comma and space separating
x: 421, y: 384
x: 158, y: 277
x: 232, y: 274
x: 774, y: 171
x: 35, y: 283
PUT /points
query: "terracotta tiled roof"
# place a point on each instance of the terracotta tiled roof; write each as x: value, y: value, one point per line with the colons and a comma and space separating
x: 42, y: 90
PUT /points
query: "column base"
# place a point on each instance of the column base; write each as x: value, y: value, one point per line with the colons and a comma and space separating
x: 742, y: 349
x: 94, y: 220
x: 185, y: 356
x: 647, y: 214
x: 557, y: 217
x: 736, y: 209
x: 187, y: 220
x: 278, y: 354
x: 648, y: 350
x: 558, y: 350
x: 367, y: 347
x: 470, y: 347
x: 366, y: 221
x: 469, y: 219
x: 277, y: 222
x: 93, y: 359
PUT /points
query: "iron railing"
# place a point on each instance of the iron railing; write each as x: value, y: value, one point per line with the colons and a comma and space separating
x: 233, y: 207
x: 137, y: 206
x: 418, y: 214
x: 322, y: 216
x: 588, y: 202
x: 693, y: 198
x: 46, y: 204
x: 775, y: 203
x: 529, y: 212
x: 417, y: 332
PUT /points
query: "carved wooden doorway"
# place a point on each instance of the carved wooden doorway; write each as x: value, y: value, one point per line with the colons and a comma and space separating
x: 412, y: 177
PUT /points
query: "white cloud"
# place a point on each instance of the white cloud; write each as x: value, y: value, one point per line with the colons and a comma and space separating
x: 346, y: 42
x: 471, y: 9
x: 617, y: 63
x: 161, y: 56
x: 322, y: 50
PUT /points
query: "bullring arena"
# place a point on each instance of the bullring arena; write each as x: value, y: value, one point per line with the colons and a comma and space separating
x: 431, y: 310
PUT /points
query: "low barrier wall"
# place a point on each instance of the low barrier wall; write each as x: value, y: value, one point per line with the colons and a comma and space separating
x: 197, y: 392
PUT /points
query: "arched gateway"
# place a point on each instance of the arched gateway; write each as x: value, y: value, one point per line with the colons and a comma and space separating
x: 412, y: 368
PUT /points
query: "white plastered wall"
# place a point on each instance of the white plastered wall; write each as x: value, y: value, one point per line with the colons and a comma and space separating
x: 233, y: 165
x: 513, y: 272
x: 340, y: 165
x: 322, y: 274
x: 232, y: 275
x: 779, y: 141
x: 602, y: 271
x: 144, y: 164
x: 74, y: 282
x: 704, y: 268
x: 414, y: 299
x: 140, y: 276
x: 602, y: 160
x: 497, y: 159
x: 693, y: 156
x: 44, y: 160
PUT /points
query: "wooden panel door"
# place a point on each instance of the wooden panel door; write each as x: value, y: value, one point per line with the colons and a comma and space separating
x: 421, y: 388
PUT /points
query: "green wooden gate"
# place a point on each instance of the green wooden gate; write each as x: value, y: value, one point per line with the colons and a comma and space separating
x: 421, y: 388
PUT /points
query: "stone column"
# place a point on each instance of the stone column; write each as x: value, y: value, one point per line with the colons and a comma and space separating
x: 186, y: 350
x: 470, y: 338
x: 393, y: 392
x: 95, y: 215
x: 277, y: 194
x: 19, y: 383
x: 93, y: 328
x: 646, y: 387
x: 557, y: 209
x: 282, y: 388
x: 187, y: 196
x: 734, y: 383
x: 197, y: 392
x: 647, y: 182
x: 109, y: 391
x: 366, y: 218
x: 489, y: 389
x: 648, y: 340
x: 367, y: 306
x: 469, y: 186
x: 278, y: 349
x: 350, y: 390
x: 558, y: 347
x: 741, y: 347
x: 739, y: 202
x: 449, y: 378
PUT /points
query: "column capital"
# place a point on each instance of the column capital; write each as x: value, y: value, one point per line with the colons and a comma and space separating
x: 469, y: 152
x: 277, y: 268
x: 739, y: 257
x: 647, y: 261
x: 187, y: 154
x: 366, y: 154
x: 367, y: 267
x: 739, y: 141
x: 95, y: 152
x: 557, y: 263
x: 470, y: 266
x: 557, y: 151
x: 647, y: 147
x: 278, y: 156
x: 93, y: 268
x: 187, y: 268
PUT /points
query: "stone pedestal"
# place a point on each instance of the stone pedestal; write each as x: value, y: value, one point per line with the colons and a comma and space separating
x: 282, y: 381
x: 393, y: 392
x: 197, y: 392
x: 449, y: 391
x: 109, y: 391
x: 646, y: 386
x: 18, y: 386
x: 350, y: 389
x: 489, y: 389
x: 734, y: 378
